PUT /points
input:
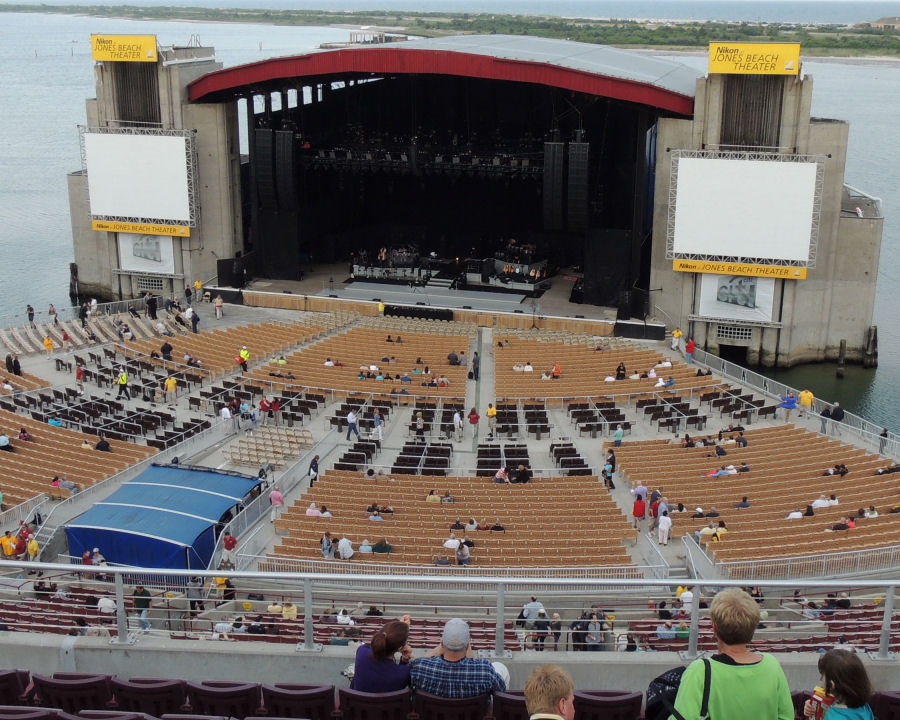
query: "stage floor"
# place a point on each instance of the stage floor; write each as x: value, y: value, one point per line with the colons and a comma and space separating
x: 392, y: 294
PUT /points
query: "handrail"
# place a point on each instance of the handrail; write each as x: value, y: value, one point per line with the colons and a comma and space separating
x: 868, y: 432
x: 515, y: 582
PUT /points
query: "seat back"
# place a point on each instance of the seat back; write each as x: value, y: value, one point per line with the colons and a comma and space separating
x: 607, y: 705
x: 886, y: 705
x: 113, y: 715
x: 288, y: 700
x: 432, y: 707
x: 71, y: 695
x: 12, y: 689
x: 18, y: 712
x: 357, y: 705
x: 153, y: 698
x: 237, y: 700
x: 510, y: 705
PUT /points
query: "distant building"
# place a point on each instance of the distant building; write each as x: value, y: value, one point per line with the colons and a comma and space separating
x: 885, y: 23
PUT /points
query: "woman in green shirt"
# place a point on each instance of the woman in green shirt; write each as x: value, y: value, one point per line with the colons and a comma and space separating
x: 744, y: 685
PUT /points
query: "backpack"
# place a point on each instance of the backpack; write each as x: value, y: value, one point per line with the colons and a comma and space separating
x: 663, y: 689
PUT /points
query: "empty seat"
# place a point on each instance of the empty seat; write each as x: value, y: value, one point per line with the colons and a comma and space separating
x: 298, y: 701
x: 510, y: 706
x: 153, y: 696
x: 13, y: 685
x: 71, y: 694
x: 356, y: 705
x: 607, y: 705
x: 237, y: 700
x: 432, y: 707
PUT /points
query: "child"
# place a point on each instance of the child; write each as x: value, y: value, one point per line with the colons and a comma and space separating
x: 844, y: 677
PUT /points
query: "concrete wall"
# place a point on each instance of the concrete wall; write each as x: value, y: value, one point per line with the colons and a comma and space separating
x: 198, y: 660
x: 218, y: 233
x: 836, y: 301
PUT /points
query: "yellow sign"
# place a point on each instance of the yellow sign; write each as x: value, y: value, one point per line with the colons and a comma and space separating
x: 141, y: 228
x: 754, y: 58
x: 787, y: 272
x: 124, y: 48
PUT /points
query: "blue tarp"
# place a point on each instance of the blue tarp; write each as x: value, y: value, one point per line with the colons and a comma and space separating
x: 164, y: 518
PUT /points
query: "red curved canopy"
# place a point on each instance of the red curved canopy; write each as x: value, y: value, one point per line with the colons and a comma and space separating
x: 386, y: 60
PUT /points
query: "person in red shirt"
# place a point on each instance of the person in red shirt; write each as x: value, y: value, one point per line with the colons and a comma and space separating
x: 689, y: 351
x: 638, y: 511
x: 86, y: 558
x: 654, y: 515
x: 276, y: 410
x: 229, y: 543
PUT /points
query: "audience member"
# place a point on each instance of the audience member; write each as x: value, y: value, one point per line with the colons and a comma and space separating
x: 744, y: 685
x: 450, y: 670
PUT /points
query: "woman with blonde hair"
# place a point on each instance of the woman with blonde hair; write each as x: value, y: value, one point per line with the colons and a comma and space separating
x: 743, y: 684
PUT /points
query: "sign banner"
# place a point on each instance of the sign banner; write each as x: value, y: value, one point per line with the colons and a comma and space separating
x: 786, y: 272
x: 124, y: 48
x: 754, y: 58
x: 140, y: 228
x: 146, y: 253
x: 735, y: 297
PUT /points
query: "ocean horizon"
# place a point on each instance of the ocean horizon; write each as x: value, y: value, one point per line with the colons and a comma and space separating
x: 828, y: 12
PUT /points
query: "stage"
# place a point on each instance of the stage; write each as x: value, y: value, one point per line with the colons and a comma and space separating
x: 437, y: 296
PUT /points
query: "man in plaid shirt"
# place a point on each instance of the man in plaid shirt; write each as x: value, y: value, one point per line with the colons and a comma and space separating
x: 450, y: 671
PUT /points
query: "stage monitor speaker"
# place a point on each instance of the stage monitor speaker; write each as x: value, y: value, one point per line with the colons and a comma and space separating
x: 577, y: 190
x: 225, y: 272
x: 553, y: 185
x: 263, y: 165
x: 284, y: 169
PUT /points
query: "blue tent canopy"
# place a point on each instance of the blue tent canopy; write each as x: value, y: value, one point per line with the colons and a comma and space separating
x: 164, y: 518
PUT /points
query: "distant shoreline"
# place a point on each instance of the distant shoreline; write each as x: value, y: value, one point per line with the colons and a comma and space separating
x: 835, y: 43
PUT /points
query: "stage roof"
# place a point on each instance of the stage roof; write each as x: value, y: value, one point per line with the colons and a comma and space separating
x: 163, y: 518
x: 581, y: 67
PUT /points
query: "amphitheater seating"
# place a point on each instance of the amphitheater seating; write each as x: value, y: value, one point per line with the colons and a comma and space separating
x: 787, y: 465
x: 216, y: 349
x: 363, y: 346
x: 539, y: 519
x: 583, y: 370
x: 273, y: 445
x: 53, y: 451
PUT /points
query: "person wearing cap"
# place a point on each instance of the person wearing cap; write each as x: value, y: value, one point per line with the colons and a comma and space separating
x: 550, y: 694
x: 244, y: 357
x: 450, y: 670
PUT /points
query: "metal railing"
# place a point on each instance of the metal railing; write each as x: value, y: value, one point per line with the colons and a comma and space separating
x: 866, y: 432
x: 252, y: 513
x: 456, y: 590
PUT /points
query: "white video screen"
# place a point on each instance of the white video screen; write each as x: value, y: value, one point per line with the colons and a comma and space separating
x: 146, y: 253
x: 736, y: 297
x: 744, y: 208
x: 138, y: 176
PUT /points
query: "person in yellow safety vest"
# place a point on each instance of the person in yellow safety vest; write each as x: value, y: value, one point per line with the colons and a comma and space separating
x: 380, y: 308
x: 244, y: 355
x: 676, y: 336
x: 198, y: 287
x: 123, y: 385
x: 805, y: 401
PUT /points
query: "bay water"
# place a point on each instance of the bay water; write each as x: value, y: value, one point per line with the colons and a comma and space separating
x: 46, y: 74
